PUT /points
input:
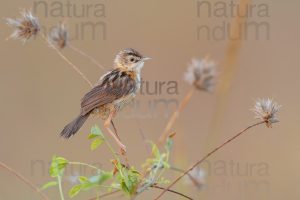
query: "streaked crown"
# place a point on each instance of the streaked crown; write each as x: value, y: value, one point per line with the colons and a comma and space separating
x: 129, y: 59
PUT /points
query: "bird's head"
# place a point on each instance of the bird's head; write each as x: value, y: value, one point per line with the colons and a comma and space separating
x: 130, y: 59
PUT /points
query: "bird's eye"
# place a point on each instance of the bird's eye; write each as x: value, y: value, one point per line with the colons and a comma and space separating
x: 132, y: 60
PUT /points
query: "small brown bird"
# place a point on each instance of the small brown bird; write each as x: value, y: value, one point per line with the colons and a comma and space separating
x: 114, y: 91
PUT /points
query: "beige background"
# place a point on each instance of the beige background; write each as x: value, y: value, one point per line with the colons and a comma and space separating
x: 40, y: 94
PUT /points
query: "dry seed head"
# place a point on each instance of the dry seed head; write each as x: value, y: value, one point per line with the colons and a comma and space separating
x: 59, y: 36
x: 24, y: 27
x: 266, y: 110
x: 201, y: 73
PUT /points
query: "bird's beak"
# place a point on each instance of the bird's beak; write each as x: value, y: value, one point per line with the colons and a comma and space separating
x: 146, y: 58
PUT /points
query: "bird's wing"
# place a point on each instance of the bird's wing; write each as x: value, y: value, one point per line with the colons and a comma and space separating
x: 113, y: 86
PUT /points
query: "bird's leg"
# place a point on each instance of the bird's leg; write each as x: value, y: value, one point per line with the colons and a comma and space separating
x: 115, y: 130
x: 116, y: 138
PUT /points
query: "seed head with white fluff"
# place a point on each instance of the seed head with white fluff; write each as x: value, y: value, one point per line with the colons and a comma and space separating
x: 266, y: 110
x: 59, y: 36
x: 25, y: 27
x: 201, y: 73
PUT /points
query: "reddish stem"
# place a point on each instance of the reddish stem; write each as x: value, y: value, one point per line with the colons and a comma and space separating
x: 206, y: 156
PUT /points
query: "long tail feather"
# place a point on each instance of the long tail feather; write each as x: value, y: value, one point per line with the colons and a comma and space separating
x: 74, y: 126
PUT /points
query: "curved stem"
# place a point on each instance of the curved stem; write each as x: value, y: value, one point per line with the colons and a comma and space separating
x: 24, y: 180
x: 60, y: 187
x: 208, y: 155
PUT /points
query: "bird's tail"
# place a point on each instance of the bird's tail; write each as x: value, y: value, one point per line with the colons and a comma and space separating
x: 74, y: 126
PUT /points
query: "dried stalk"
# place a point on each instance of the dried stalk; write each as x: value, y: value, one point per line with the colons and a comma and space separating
x: 207, y: 156
x: 175, y: 115
x: 77, y: 70
x: 93, y: 60
x: 24, y: 180
x: 172, y: 191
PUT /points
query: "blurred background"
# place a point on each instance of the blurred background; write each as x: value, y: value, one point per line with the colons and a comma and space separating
x: 41, y: 93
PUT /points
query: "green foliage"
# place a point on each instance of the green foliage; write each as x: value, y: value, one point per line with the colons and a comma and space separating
x: 128, y: 179
x: 156, y: 165
x: 58, y: 165
x: 90, y: 183
x: 97, y: 136
x: 49, y: 184
x: 159, y: 160
x: 74, y: 190
x: 96, y: 143
x: 123, y: 178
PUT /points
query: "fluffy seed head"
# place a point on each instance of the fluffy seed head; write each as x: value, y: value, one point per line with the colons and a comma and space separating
x: 201, y: 73
x: 59, y: 36
x: 266, y: 110
x: 24, y: 27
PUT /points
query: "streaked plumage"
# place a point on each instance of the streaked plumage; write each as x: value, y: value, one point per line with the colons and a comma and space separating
x: 113, y: 91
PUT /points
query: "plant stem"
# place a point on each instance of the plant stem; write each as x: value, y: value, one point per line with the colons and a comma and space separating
x: 172, y: 191
x: 230, y: 68
x: 175, y: 115
x: 60, y: 187
x: 111, y: 149
x: 77, y: 70
x: 84, y: 164
x: 24, y: 180
x: 85, y: 55
x: 208, y: 155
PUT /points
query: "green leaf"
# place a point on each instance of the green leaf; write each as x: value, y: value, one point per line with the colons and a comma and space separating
x: 83, y: 179
x: 88, y: 185
x: 95, y: 181
x: 57, y: 166
x: 49, y: 184
x: 74, y: 190
x: 101, y: 178
x: 96, y: 132
x: 155, y: 151
x: 129, y: 180
x: 96, y: 143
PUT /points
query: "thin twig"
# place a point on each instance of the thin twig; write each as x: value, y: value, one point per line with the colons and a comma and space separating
x: 175, y: 115
x: 77, y: 70
x: 208, y: 155
x: 24, y: 180
x: 86, y: 55
x: 172, y: 191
